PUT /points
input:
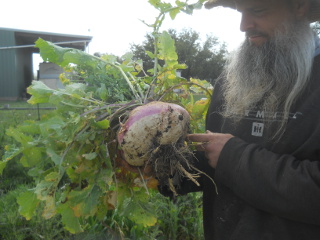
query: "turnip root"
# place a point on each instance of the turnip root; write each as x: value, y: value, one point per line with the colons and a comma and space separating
x: 154, y: 134
x: 152, y: 125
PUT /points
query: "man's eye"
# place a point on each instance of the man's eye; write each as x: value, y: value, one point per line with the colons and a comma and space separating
x: 258, y: 11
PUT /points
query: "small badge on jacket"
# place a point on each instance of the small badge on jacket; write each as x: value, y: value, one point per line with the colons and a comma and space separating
x: 257, y: 129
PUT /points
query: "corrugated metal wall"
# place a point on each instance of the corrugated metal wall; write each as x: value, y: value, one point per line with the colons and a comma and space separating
x: 24, y: 70
x: 16, y: 49
x: 8, y: 74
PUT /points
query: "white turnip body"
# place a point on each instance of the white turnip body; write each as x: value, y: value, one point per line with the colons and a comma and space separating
x: 151, y: 126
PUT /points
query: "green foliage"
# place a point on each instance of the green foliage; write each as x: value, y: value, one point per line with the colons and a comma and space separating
x: 14, y: 227
x: 203, y: 60
x: 71, y: 153
x: 181, y: 219
x: 101, y: 76
x: 14, y: 174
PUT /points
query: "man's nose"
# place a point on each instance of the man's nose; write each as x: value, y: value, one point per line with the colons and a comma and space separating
x: 247, y: 22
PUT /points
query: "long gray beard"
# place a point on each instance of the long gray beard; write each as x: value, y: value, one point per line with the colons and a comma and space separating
x: 270, y: 76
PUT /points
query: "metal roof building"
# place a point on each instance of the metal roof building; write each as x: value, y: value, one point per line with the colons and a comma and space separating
x: 16, y: 50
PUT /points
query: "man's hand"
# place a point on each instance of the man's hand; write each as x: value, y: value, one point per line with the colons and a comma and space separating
x: 211, y: 144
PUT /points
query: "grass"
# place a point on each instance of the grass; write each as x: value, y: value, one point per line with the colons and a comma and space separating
x: 10, y: 115
x: 180, y: 219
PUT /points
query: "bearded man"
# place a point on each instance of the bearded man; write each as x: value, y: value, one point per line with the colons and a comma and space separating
x: 262, y: 147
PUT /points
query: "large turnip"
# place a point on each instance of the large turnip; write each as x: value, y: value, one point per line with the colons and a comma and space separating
x: 154, y: 135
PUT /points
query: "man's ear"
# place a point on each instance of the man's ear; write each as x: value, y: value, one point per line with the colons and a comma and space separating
x: 301, y: 8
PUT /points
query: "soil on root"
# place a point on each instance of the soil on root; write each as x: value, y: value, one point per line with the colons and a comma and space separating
x: 170, y: 163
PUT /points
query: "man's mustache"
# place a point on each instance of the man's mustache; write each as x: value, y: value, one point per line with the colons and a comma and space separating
x: 251, y: 33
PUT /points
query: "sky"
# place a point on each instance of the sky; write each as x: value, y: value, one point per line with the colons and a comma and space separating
x: 114, y: 24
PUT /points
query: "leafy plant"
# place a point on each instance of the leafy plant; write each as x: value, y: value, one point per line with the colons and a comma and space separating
x: 14, y: 227
x: 71, y: 153
x: 204, y: 60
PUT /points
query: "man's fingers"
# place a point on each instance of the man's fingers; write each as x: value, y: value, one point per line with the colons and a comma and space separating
x: 201, y: 140
x: 201, y: 146
x: 199, y: 137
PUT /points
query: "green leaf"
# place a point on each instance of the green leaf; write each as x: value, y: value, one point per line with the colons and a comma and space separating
x: 2, y: 166
x: 104, y: 124
x: 102, y: 92
x: 89, y: 206
x: 90, y: 156
x: 54, y: 156
x: 35, y: 172
x: 30, y: 127
x: 16, y: 134
x: 76, y: 88
x: 150, y: 54
x: 40, y: 92
x: 109, y: 59
x: 45, y: 189
x: 52, y: 53
x: 28, y: 203
x: 167, y: 48
x: 173, y: 13
x: 155, y: 2
x: 180, y: 4
x: 64, y: 56
x: 31, y: 156
x: 84, y: 202
x: 53, y: 177
x: 140, y: 212
x: 80, y: 58
x: 11, y: 151
x: 161, y: 6
x: 69, y: 220
x: 53, y: 125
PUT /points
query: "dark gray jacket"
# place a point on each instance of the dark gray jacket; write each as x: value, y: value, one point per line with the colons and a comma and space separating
x: 267, y: 190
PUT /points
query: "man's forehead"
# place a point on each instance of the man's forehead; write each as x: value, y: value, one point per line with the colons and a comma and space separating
x: 254, y: 3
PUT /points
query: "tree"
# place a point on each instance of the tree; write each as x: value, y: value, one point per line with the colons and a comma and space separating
x: 204, y: 60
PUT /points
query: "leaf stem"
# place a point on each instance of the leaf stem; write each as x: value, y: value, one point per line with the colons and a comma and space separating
x: 143, y: 181
x: 138, y: 87
x: 181, y: 84
x: 129, y: 83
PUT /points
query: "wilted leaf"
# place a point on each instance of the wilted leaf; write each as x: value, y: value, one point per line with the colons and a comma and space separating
x: 49, y: 208
x: 45, y: 189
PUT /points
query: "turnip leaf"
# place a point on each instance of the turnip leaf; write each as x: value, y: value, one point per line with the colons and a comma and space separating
x: 28, y: 204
